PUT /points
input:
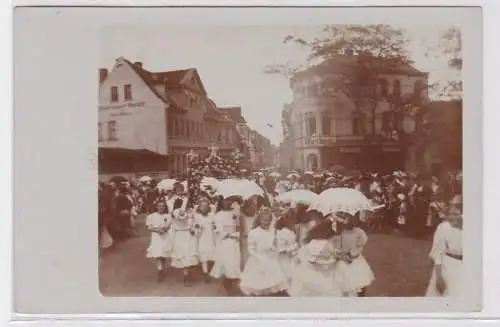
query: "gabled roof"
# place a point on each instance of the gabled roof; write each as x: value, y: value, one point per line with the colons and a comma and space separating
x: 234, y: 113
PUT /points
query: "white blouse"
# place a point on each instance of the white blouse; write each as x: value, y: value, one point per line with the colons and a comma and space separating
x: 447, y: 239
x: 262, y: 242
x: 287, y: 240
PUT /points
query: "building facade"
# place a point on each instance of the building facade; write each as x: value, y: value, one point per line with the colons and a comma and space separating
x: 159, y: 114
x: 322, y: 130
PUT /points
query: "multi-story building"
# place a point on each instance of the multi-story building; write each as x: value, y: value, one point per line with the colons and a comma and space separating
x: 322, y: 129
x: 156, y: 118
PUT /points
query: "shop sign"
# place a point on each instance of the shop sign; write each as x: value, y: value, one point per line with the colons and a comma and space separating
x: 350, y: 149
x: 124, y: 105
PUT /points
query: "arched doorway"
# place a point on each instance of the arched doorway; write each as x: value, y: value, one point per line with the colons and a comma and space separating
x: 312, y: 161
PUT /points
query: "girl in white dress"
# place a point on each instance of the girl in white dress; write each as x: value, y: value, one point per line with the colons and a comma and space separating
x: 446, y: 253
x: 227, y: 248
x: 315, y: 274
x: 204, y: 222
x: 356, y: 272
x: 287, y: 244
x: 184, y: 254
x: 158, y: 223
x: 263, y: 275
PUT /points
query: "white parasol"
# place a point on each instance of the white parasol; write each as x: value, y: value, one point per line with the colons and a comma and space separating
x: 145, y: 179
x: 297, y: 196
x: 275, y: 174
x: 239, y: 187
x: 210, y: 181
x: 341, y: 199
x: 166, y: 184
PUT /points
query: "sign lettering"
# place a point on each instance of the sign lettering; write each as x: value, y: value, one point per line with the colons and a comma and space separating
x: 124, y: 105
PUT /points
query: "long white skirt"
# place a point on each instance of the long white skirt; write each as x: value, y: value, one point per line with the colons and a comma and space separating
x: 206, y: 246
x: 310, y: 280
x: 287, y: 264
x: 262, y: 277
x: 452, y: 274
x: 354, y: 276
x: 159, y: 246
x: 227, y: 259
x: 184, y: 249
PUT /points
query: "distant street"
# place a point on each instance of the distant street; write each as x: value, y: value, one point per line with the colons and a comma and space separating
x: 400, y: 264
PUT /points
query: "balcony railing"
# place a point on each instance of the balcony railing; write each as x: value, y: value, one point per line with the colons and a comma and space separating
x: 327, y: 140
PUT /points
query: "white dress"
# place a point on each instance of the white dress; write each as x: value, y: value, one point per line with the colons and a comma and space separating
x: 447, y: 239
x: 262, y: 274
x: 206, y: 236
x: 159, y: 243
x: 315, y: 274
x: 287, y: 245
x: 357, y: 274
x: 184, y: 252
x: 227, y: 257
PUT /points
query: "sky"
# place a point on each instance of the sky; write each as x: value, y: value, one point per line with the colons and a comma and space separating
x: 231, y: 61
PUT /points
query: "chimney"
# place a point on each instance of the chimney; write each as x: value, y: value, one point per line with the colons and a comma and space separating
x: 103, y: 74
x: 138, y: 64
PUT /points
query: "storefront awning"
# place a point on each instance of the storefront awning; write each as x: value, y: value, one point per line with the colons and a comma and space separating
x: 121, y: 160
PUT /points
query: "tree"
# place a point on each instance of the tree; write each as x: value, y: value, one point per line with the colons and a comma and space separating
x: 349, y: 59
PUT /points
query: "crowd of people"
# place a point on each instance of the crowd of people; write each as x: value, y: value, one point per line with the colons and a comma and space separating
x: 259, y: 246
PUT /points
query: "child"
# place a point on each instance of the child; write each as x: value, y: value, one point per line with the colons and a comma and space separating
x: 184, y: 252
x: 263, y: 275
x: 158, y: 223
x: 204, y: 219
x: 315, y: 273
x: 227, y: 254
x: 356, y: 272
x: 287, y: 243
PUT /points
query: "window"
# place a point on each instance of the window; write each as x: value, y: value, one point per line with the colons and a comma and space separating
x: 128, y: 92
x: 101, y: 136
x: 170, y: 127
x: 188, y: 129
x: 193, y: 130
x: 112, y: 130
x: 114, y: 94
x: 387, y: 122
x: 418, y: 87
x: 176, y: 127
x: 326, y: 122
x: 181, y: 127
x: 355, y: 126
x: 396, y: 88
x: 312, y: 125
x: 384, y: 88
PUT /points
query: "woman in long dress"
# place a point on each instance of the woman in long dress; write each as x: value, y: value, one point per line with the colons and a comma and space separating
x: 262, y: 275
x: 315, y: 273
x: 227, y: 248
x: 204, y: 221
x: 447, y: 255
x: 158, y: 223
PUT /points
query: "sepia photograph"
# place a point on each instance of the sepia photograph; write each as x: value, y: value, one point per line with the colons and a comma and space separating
x: 280, y: 161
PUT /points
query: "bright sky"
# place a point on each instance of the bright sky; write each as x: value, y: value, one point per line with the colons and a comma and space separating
x: 231, y: 61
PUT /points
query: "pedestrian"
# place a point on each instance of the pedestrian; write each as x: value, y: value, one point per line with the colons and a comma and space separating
x: 357, y: 274
x: 184, y: 252
x: 204, y: 218
x: 287, y: 244
x: 158, y: 223
x: 447, y: 255
x: 262, y: 275
x: 315, y: 274
x: 227, y: 254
